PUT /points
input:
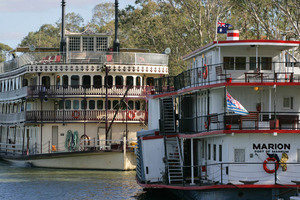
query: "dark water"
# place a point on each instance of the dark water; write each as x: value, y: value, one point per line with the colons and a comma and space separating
x: 35, y: 183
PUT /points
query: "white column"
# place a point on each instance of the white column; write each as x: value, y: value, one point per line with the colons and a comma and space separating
x: 192, y: 161
x: 256, y: 58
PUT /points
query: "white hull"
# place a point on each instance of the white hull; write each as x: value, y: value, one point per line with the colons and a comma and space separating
x: 99, y: 160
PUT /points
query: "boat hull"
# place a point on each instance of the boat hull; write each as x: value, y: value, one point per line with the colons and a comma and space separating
x: 98, y: 160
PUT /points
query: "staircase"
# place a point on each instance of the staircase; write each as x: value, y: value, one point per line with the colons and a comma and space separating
x: 139, y: 162
x: 168, y: 116
x: 174, y: 160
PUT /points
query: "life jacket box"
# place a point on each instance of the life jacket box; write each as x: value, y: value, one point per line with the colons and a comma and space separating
x: 274, y: 124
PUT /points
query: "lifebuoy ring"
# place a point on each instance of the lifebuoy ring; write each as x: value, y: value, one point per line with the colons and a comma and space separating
x: 269, y: 170
x: 131, y: 114
x: 205, y: 72
x: 75, y: 114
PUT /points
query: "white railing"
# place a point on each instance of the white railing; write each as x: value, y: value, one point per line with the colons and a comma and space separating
x: 13, y: 94
x: 13, y: 118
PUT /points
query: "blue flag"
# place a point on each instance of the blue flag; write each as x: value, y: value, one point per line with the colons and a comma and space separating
x: 222, y: 27
x: 235, y: 106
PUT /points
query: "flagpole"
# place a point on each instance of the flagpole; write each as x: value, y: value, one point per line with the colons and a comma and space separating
x: 216, y: 36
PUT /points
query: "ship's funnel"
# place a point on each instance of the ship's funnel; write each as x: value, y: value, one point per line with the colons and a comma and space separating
x: 233, y: 34
x: 63, y: 39
x: 116, y: 42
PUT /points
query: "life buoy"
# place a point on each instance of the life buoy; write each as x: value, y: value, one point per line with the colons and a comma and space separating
x: 131, y: 114
x: 205, y: 72
x: 75, y: 114
x: 270, y: 171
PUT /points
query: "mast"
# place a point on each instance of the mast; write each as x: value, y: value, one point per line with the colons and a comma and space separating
x: 62, y: 48
x: 116, y: 42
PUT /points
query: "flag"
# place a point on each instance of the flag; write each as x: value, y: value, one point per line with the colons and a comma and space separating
x: 222, y: 27
x: 235, y: 106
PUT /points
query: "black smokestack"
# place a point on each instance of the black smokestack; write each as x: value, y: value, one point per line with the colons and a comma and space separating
x: 116, y: 42
x: 63, y: 39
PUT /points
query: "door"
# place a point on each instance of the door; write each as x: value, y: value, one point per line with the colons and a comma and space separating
x: 54, y: 137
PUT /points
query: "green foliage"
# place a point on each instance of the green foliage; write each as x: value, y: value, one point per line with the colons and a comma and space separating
x: 3, y: 50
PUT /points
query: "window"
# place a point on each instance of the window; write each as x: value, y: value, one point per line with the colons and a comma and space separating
x: 150, y: 81
x: 220, y: 153
x: 109, y: 81
x: 119, y: 81
x: 101, y: 44
x: 65, y: 81
x: 239, y: 155
x: 228, y: 63
x: 208, y: 151
x: 137, y: 105
x: 109, y: 104
x: 138, y: 81
x: 83, y: 104
x: 75, y: 81
x: 240, y: 63
x: 74, y: 43
x: 61, y: 104
x: 288, y: 102
x: 92, y: 105
x: 215, y: 152
x: 57, y: 82
x: 97, y: 81
x: 265, y: 63
x: 253, y: 63
x: 86, y: 81
x: 88, y: 44
x: 129, y: 81
x: 115, y: 104
x: 46, y: 81
x: 123, y: 105
x: 75, y: 104
x: 67, y: 104
x: 130, y: 105
x: 25, y: 82
x: 100, y: 104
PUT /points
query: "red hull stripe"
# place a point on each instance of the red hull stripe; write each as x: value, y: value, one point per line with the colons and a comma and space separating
x: 233, y: 34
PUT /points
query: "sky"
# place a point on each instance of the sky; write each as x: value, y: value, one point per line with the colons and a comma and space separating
x: 19, y: 17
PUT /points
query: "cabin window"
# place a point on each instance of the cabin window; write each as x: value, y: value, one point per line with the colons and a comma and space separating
x: 264, y: 62
x: 67, y: 104
x: 100, y: 104
x: 109, y: 81
x: 123, y: 105
x: 119, y: 81
x: 288, y: 102
x: 220, y: 153
x: 57, y: 81
x: 61, y: 104
x: 150, y: 81
x: 215, y: 152
x: 86, y: 81
x: 228, y: 63
x: 46, y: 81
x: 240, y: 63
x: 88, y: 43
x: 109, y: 104
x: 97, y: 81
x: 239, y: 155
x: 75, y: 81
x: 129, y: 81
x: 137, y: 105
x: 208, y: 151
x: 143, y: 103
x: 130, y: 105
x: 83, y: 104
x: 75, y: 104
x: 92, y: 104
x: 25, y: 82
x: 65, y: 81
x: 74, y: 43
x: 138, y: 81
x: 115, y: 104
x: 101, y: 44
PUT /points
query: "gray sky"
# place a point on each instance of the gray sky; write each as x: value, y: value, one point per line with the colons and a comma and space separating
x: 19, y: 17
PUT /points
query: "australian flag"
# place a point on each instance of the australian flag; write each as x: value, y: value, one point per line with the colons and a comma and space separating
x: 235, y: 106
x: 222, y: 27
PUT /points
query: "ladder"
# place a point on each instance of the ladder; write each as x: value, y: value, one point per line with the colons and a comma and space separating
x: 168, y: 116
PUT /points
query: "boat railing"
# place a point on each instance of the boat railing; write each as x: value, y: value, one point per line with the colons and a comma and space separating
x: 220, y: 73
x: 85, y: 115
x: 111, y: 58
x: 240, y: 173
x: 53, y: 91
x: 226, y: 121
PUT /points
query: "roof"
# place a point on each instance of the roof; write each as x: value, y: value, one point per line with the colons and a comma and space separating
x: 284, y: 43
x: 35, y: 49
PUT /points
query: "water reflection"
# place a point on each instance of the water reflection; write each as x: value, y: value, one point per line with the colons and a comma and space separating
x: 34, y: 183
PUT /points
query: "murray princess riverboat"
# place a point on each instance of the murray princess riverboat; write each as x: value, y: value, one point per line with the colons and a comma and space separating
x: 76, y: 107
x: 228, y: 126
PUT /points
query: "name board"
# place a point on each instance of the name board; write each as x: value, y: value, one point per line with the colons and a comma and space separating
x: 271, y: 147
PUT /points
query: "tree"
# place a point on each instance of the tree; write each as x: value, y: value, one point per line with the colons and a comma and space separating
x: 73, y: 22
x: 3, y: 50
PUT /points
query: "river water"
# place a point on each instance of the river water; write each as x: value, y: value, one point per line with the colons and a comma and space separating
x: 23, y: 183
